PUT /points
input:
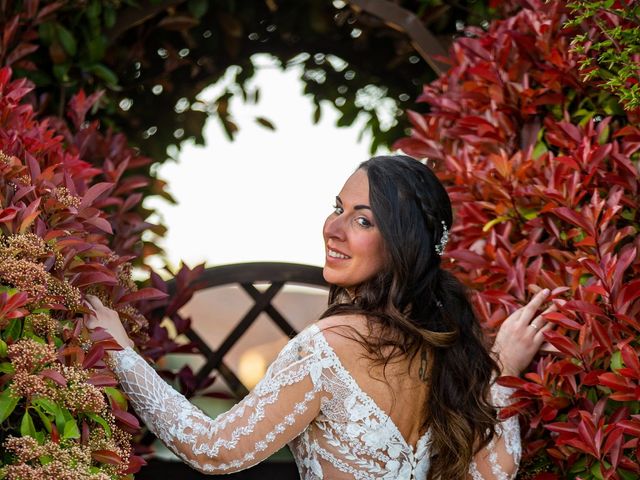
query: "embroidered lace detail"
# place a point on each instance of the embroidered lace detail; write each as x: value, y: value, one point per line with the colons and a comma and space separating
x: 309, y: 400
x: 504, y: 450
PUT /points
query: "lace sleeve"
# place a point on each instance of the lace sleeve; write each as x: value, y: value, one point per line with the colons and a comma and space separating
x: 279, y: 408
x: 499, y: 460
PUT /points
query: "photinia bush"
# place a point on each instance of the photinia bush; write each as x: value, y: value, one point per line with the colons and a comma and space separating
x: 543, y: 173
x: 61, y: 414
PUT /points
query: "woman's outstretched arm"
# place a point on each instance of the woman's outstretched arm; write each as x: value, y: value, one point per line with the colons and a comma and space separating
x: 279, y: 408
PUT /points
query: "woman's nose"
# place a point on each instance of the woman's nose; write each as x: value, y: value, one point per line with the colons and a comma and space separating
x: 334, y: 227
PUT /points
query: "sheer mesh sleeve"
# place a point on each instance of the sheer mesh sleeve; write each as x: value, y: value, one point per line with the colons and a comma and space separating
x: 499, y: 460
x: 280, y: 407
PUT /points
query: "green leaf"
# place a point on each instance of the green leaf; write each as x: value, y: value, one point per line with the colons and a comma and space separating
x: 616, y: 361
x: 489, y: 225
x: 60, y: 72
x: 71, y: 429
x: 7, y: 367
x: 265, y: 123
x: 46, y: 33
x: 539, y: 149
x: 109, y: 17
x: 48, y: 406
x: 13, y: 330
x: 3, y: 348
x: 117, y: 396
x: 67, y: 40
x: 595, y: 471
x: 93, y: 9
x: 8, y: 403
x: 604, y: 135
x: 626, y: 475
x: 61, y: 418
x: 104, y: 73
x: 46, y: 421
x: 101, y: 421
x: 198, y: 8
x: 317, y: 114
x: 26, y: 426
x: 96, y: 48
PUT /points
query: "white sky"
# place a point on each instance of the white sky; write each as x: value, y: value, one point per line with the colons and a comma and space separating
x: 264, y: 196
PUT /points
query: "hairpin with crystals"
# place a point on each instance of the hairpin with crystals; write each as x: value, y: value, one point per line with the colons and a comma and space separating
x: 443, y: 239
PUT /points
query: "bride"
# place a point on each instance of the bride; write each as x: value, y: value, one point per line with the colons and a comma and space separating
x: 395, y: 381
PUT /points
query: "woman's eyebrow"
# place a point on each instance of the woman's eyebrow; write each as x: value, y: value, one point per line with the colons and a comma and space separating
x: 357, y: 207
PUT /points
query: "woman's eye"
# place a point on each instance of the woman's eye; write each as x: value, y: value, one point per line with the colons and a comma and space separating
x: 363, y: 222
x: 337, y: 209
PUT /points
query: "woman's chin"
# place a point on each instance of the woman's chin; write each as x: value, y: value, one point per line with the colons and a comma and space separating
x: 332, y: 277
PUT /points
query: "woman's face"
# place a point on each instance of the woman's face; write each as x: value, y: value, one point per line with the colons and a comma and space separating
x: 354, y: 249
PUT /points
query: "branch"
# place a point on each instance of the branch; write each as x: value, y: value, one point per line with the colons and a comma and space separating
x: 134, y: 16
x: 426, y: 44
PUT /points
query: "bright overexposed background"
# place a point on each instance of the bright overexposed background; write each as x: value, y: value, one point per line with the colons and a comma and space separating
x: 264, y: 196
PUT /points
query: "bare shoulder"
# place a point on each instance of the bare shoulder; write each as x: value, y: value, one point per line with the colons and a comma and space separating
x: 342, y: 332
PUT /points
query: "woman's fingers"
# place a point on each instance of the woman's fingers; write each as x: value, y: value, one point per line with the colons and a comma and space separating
x: 540, y: 322
x: 530, y: 309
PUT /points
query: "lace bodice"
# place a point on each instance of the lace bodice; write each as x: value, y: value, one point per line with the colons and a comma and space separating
x: 310, y: 401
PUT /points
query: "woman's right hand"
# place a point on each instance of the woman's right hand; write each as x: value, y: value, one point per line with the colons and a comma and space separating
x: 521, y: 335
x: 109, y: 320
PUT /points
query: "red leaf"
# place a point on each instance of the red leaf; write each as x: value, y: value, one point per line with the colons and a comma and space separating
x: 93, y: 356
x: 91, y: 278
x: 20, y: 51
x: 8, y: 214
x: 575, y: 218
x: 148, y: 293
x: 562, y: 319
x: 75, y: 354
x: 93, y: 193
x: 562, y: 427
x: 135, y: 464
x: 616, y: 382
x: 55, y: 376
x: 562, y: 343
x: 126, y: 418
x: 106, y: 456
x: 100, y: 223
x: 613, y: 445
x: 632, y: 427
x: 102, y: 380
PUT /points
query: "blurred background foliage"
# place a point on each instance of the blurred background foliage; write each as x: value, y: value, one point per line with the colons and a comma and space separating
x: 154, y: 57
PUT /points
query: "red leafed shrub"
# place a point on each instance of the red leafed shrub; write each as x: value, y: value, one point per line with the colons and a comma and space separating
x: 61, y: 414
x: 543, y: 173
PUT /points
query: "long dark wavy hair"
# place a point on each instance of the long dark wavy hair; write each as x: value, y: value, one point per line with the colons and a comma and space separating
x: 423, y: 308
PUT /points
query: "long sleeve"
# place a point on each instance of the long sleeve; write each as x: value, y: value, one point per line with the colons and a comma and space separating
x: 499, y: 460
x: 278, y: 409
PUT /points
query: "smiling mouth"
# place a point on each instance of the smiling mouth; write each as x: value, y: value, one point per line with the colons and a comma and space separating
x: 334, y: 254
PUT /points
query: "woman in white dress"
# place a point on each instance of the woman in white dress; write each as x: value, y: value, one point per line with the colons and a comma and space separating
x: 395, y: 381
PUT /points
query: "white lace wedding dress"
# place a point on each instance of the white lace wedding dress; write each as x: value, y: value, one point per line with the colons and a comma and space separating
x: 310, y: 401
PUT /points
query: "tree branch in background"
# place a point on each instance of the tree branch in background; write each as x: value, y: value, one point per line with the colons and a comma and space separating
x: 134, y: 16
x: 407, y: 22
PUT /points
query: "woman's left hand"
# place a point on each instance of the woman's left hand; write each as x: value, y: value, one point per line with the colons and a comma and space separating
x: 521, y: 335
x: 109, y: 320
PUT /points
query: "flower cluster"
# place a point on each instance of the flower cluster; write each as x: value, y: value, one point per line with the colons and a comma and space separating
x: 61, y: 414
x: 68, y: 462
x: 78, y: 395
x: 24, y: 275
x: 30, y: 356
x: 44, y: 325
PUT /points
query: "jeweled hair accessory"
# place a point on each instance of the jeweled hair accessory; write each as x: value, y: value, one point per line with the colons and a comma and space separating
x: 443, y: 239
